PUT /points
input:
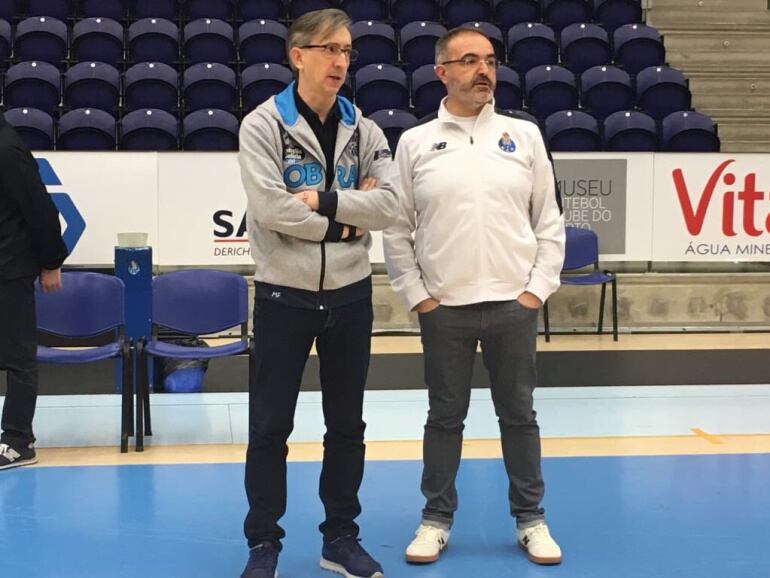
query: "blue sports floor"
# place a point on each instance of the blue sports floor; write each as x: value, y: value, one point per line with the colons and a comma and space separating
x: 702, y: 516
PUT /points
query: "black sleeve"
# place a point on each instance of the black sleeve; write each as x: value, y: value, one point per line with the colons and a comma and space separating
x: 327, y: 204
x: 334, y: 232
x: 21, y: 181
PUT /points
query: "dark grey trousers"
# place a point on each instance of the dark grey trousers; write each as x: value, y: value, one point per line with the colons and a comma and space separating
x: 450, y: 336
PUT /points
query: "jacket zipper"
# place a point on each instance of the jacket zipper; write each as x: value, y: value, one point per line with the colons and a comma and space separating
x: 323, y: 243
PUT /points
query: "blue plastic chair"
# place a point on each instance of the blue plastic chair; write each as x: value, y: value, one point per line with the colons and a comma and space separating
x: 582, y: 250
x: 89, y: 305
x: 192, y: 303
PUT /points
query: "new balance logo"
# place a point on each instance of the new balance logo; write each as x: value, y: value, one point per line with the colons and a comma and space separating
x: 438, y: 146
x: 275, y: 295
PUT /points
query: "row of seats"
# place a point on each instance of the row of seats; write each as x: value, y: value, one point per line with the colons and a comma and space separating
x: 152, y: 129
x: 601, y: 90
x: 611, y: 13
x: 622, y: 131
x: 525, y: 45
x: 86, y: 129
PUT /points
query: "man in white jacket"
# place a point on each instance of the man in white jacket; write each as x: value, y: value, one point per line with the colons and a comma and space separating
x: 476, y: 251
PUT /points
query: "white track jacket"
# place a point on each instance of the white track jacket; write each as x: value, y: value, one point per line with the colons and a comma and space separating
x: 479, y: 212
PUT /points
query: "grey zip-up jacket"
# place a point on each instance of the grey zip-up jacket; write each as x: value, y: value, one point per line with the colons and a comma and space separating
x: 279, y: 155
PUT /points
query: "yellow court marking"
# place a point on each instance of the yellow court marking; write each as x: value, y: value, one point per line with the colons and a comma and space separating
x: 712, y: 439
x: 412, y: 450
x: 406, y: 344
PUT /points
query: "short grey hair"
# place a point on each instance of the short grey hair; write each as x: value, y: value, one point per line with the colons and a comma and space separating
x: 441, y: 43
x: 309, y: 25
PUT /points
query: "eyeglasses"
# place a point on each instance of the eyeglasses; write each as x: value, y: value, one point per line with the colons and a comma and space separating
x: 334, y: 50
x: 472, y: 61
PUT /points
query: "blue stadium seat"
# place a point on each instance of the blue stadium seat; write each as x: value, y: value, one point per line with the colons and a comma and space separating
x: 92, y: 85
x: 661, y: 90
x: 583, y: 46
x: 508, y: 13
x: 508, y: 91
x: 115, y: 9
x: 149, y: 130
x: 427, y: 90
x: 260, y: 9
x: 572, y: 130
x: 215, y: 9
x: 209, y: 40
x: 393, y: 123
x: 455, y: 12
x: 365, y: 9
x: 561, y: 13
x: 60, y: 9
x: 86, y: 129
x: 210, y: 130
x: 5, y: 43
x: 167, y: 9
x: 261, y: 81
x: 418, y: 43
x: 41, y: 38
x: 35, y: 127
x: 7, y: 10
x: 638, y: 46
x: 630, y: 131
x: 493, y: 34
x: 34, y: 85
x: 262, y: 41
x: 299, y: 7
x: 98, y: 39
x: 606, y: 89
x: 531, y: 44
x: 151, y: 85
x: 381, y: 86
x: 404, y: 11
x: 689, y: 131
x: 154, y: 40
x: 209, y: 85
x: 375, y: 42
x: 550, y: 88
x: 615, y: 13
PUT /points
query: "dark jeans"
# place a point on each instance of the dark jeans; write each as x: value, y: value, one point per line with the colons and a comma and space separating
x: 18, y: 356
x: 450, y: 336
x: 283, y: 338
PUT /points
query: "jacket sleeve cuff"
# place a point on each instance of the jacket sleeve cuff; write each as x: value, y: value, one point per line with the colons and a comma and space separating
x: 334, y: 232
x: 415, y: 294
x: 327, y: 204
x: 541, y: 288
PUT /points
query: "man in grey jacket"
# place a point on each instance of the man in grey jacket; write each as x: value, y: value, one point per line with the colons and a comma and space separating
x: 477, y: 249
x: 315, y: 174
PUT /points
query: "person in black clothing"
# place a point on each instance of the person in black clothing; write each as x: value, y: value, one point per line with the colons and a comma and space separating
x: 30, y: 246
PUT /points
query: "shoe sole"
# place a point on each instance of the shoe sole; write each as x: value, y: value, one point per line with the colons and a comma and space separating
x: 339, y: 569
x: 426, y: 559
x: 19, y: 463
x: 538, y: 560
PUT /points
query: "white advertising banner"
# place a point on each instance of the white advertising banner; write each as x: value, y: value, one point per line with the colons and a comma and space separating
x: 673, y: 207
x: 711, y: 207
x: 102, y: 194
x: 611, y: 194
x: 202, y: 210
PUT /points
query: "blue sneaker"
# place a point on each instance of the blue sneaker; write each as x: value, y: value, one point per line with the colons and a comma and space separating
x: 263, y: 560
x: 344, y: 555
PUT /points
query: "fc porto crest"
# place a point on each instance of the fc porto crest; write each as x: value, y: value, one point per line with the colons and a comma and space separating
x: 506, y: 143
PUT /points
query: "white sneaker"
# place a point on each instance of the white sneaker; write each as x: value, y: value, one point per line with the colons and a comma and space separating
x: 427, y: 545
x: 536, y: 541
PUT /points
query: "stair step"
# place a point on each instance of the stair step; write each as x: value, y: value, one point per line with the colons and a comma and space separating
x: 708, y: 5
x: 728, y: 42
